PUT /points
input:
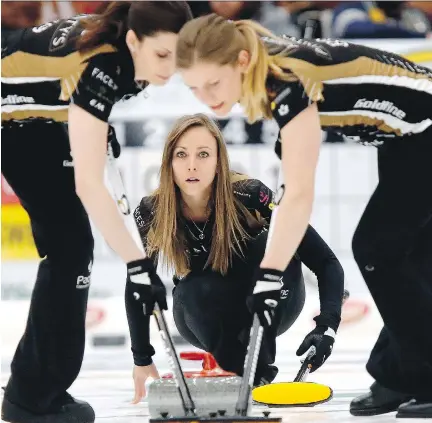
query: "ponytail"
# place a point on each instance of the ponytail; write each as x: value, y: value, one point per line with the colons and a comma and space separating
x: 109, y: 26
x: 254, y: 94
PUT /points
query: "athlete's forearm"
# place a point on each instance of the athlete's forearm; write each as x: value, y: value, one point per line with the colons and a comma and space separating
x: 105, y: 215
x: 139, y: 330
x: 289, y: 225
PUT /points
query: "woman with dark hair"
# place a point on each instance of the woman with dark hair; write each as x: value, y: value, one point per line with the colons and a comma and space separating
x: 208, y: 225
x: 73, y: 71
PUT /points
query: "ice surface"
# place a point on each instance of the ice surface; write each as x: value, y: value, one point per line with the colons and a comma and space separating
x: 109, y: 387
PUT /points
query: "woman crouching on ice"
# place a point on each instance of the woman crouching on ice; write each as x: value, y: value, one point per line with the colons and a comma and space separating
x: 208, y: 224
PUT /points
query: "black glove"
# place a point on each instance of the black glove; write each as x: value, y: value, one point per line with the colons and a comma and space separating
x: 322, y: 337
x: 145, y: 285
x: 266, y: 295
x: 112, y: 139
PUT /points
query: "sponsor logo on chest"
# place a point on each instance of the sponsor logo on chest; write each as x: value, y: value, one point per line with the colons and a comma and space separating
x: 105, y: 78
x: 17, y: 99
x: 382, y: 106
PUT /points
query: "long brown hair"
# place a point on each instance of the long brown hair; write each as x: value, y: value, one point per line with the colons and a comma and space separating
x: 166, y: 236
x: 213, y: 39
x: 145, y: 18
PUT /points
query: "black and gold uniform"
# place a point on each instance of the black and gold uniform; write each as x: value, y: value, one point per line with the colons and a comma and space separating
x: 365, y: 94
x: 382, y: 99
x: 210, y: 309
x: 42, y: 73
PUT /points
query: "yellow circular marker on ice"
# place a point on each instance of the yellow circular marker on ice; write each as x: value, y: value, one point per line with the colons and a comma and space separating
x: 298, y: 393
x: 289, y: 394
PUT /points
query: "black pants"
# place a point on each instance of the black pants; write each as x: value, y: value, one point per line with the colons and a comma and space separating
x: 36, y: 163
x: 393, y: 249
x: 210, y: 310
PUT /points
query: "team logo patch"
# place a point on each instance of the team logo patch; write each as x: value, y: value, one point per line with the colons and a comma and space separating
x: 283, y: 110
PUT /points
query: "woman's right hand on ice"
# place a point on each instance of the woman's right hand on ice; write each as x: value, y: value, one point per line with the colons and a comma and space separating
x: 140, y: 376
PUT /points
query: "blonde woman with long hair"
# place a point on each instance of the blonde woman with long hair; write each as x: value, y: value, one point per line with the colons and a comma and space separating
x: 368, y: 95
x: 208, y: 225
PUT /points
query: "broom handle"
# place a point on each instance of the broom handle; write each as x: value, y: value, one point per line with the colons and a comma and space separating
x: 310, y: 29
x: 123, y: 204
x: 249, y: 367
x: 255, y: 340
x: 305, y: 367
x: 183, y: 389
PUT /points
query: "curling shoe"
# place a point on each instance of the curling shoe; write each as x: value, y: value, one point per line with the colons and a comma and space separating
x: 64, y: 410
x: 378, y: 400
x: 419, y: 407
